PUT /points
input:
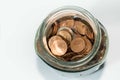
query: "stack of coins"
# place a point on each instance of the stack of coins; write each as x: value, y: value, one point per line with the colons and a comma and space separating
x: 70, y: 38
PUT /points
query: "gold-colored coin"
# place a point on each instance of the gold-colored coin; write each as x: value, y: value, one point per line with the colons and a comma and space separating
x: 80, y: 27
x: 57, y: 45
x: 77, y: 44
x: 67, y: 23
x: 65, y: 34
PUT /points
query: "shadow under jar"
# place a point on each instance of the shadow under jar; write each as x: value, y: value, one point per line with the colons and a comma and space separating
x: 71, y: 39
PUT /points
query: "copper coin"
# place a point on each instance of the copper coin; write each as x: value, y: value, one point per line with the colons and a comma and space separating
x: 88, y: 46
x: 76, y: 36
x: 52, y: 39
x: 77, y: 57
x: 58, y: 46
x: 77, y: 44
x: 68, y: 56
x: 66, y: 29
x: 65, y: 34
x: 89, y: 34
x: 67, y: 23
x: 80, y: 27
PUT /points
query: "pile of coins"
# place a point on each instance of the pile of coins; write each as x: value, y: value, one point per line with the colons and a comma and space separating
x: 70, y: 38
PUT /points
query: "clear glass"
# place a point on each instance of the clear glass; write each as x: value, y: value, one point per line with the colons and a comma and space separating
x: 89, y: 61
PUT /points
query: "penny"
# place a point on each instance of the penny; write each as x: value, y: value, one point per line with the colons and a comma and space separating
x: 58, y: 46
x: 67, y: 29
x: 65, y: 34
x: 52, y: 39
x: 80, y: 27
x: 68, y: 56
x: 67, y: 23
x: 88, y: 46
x: 77, y: 57
x: 76, y: 36
x: 77, y: 44
x: 89, y: 34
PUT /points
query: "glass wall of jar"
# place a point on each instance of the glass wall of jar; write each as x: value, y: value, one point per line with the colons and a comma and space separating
x: 71, y: 39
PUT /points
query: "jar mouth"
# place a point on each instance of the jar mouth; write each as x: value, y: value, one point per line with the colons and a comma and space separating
x: 52, y: 17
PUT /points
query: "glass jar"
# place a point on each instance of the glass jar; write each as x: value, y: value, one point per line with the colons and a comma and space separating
x: 89, y: 63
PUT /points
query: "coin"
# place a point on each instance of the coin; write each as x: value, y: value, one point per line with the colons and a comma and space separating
x: 58, y: 46
x: 88, y: 45
x: 67, y: 29
x: 77, y: 44
x: 77, y: 57
x: 65, y: 34
x: 52, y: 39
x: 76, y: 36
x: 68, y: 56
x: 80, y: 27
x: 89, y: 34
x: 67, y: 23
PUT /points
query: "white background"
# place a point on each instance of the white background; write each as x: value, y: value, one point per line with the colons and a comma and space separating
x: 19, y: 20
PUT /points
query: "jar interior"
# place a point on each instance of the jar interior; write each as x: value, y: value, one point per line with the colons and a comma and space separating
x: 62, y: 16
